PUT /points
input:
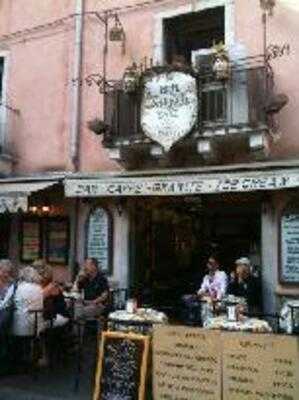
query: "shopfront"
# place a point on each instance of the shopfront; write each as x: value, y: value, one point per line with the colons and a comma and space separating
x: 35, y: 221
x: 166, y: 224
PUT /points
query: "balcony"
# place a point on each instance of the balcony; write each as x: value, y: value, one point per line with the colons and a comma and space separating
x: 232, y: 116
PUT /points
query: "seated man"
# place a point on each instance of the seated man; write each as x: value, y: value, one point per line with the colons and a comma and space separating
x: 213, y: 286
x: 244, y: 284
x: 215, y: 282
x: 94, y: 285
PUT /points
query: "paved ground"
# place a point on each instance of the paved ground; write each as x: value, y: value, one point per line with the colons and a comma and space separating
x: 53, y: 384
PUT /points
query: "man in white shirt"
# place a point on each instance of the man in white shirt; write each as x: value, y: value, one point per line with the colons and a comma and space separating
x: 214, y: 284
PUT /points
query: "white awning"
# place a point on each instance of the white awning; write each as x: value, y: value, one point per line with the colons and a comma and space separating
x: 182, y: 184
x: 14, y: 195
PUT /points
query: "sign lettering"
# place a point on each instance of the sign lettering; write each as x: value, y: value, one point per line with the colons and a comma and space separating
x: 179, y: 185
x: 290, y: 247
x: 169, y: 107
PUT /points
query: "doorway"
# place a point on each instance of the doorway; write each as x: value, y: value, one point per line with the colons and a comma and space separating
x: 171, y: 239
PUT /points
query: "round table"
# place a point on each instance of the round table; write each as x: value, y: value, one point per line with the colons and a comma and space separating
x: 141, y: 321
x: 246, y: 325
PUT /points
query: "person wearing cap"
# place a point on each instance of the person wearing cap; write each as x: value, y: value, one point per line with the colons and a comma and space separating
x: 244, y: 284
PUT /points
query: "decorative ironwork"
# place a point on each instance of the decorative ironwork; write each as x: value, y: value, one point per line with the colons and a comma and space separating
x: 234, y: 105
x: 276, y: 51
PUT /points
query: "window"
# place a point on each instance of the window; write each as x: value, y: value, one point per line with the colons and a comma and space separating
x: 192, y: 36
x: 3, y: 109
x: 44, y: 238
x: 186, y: 33
x: 1, y: 77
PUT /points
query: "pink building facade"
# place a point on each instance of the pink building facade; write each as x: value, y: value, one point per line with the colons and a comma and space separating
x: 103, y: 195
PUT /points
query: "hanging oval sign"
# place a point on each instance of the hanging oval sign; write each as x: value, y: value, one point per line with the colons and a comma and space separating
x: 169, y: 106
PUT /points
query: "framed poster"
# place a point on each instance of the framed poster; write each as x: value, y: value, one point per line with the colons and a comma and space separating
x: 99, y: 237
x: 57, y: 240
x: 31, y: 242
x: 289, y: 247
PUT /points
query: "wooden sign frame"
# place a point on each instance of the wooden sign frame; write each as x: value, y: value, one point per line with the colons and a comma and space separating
x: 143, y: 369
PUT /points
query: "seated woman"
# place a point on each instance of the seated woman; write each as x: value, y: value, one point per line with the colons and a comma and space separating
x: 54, y: 304
x: 28, y: 299
x: 244, y: 284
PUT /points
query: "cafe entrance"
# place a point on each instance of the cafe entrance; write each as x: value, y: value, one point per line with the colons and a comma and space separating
x: 171, y: 239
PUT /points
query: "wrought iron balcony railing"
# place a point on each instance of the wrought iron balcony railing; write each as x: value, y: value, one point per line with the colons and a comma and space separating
x: 237, y: 105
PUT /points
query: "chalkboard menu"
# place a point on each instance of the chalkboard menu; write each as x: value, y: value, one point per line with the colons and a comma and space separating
x: 57, y: 241
x: 259, y: 367
x: 289, y: 271
x: 31, y: 241
x: 121, y: 371
x: 99, y: 237
x: 186, y: 363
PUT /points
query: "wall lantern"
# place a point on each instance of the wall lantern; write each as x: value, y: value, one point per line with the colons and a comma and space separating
x: 268, y: 6
x: 117, y: 33
x: 130, y: 79
x: 40, y: 210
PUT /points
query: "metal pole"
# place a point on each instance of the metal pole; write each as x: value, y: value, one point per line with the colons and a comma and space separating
x: 105, y: 49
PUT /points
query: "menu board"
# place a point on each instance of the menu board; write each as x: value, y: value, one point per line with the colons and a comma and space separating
x: 186, y: 363
x: 31, y: 241
x: 260, y: 367
x: 98, y: 237
x: 290, y: 248
x: 57, y: 241
x: 121, y: 371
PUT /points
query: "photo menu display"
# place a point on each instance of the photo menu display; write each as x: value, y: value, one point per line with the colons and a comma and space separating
x: 31, y: 241
x: 98, y: 237
x: 57, y: 242
x: 290, y: 248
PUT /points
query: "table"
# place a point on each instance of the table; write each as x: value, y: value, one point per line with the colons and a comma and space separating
x: 247, y: 325
x: 140, y: 322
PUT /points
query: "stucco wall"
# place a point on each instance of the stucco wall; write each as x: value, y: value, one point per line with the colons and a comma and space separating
x: 41, y: 71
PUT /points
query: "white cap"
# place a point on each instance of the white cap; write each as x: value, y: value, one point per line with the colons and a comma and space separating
x: 244, y: 261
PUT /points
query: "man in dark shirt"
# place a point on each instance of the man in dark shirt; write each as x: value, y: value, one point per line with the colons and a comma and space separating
x: 95, y: 289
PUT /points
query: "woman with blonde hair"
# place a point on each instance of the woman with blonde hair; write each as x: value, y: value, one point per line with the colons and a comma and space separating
x: 28, y: 302
x: 54, y: 303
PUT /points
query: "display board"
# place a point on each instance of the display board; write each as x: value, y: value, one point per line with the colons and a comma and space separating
x: 99, y: 237
x: 122, y: 367
x: 186, y: 363
x: 289, y: 270
x: 57, y: 241
x: 31, y: 241
x: 259, y: 367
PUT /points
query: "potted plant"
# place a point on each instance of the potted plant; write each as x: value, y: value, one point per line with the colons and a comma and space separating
x: 221, y: 62
x: 97, y: 126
